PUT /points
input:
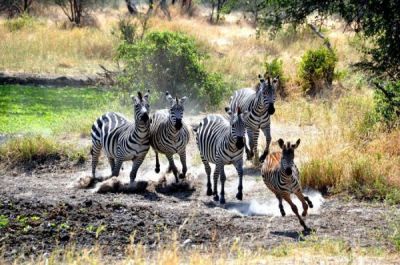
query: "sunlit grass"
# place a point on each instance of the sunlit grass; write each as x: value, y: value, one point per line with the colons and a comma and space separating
x: 310, y: 251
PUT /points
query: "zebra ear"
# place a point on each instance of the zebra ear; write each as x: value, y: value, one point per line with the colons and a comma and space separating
x: 169, y: 98
x: 262, y: 80
x: 281, y: 143
x: 297, y: 144
x: 183, y: 100
x: 228, y: 110
x: 134, y: 99
x: 146, y: 96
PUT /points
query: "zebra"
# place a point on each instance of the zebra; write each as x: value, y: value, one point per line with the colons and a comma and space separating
x: 260, y: 105
x: 170, y: 135
x: 122, y: 140
x: 281, y: 176
x: 221, y: 142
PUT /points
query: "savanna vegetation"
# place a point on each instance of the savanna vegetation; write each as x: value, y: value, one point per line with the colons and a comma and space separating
x: 338, y: 62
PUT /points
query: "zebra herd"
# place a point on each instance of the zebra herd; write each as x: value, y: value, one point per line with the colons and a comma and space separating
x: 220, y: 140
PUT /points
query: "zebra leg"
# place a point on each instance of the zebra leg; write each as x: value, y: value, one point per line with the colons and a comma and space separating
x: 95, y: 152
x: 157, y: 169
x: 256, y: 160
x: 135, y: 167
x: 281, y: 205
x: 249, y: 150
x: 267, y: 133
x: 117, y: 167
x: 215, y: 188
x: 303, y: 202
x: 208, y: 172
x: 286, y: 197
x: 308, y: 201
x: 172, y: 167
x: 223, y: 178
x: 111, y: 161
x: 182, y: 156
x: 239, y: 169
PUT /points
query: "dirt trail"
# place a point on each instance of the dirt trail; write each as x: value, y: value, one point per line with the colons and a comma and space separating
x: 59, y: 214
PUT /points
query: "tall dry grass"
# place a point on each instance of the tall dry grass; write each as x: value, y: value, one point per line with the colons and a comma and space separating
x: 45, y: 47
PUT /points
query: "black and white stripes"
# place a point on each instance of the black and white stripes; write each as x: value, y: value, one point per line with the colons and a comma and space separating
x: 122, y: 140
x: 221, y: 142
x: 169, y: 135
x: 260, y: 105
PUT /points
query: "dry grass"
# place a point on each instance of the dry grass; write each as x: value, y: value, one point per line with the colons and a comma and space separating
x: 307, y: 252
x: 44, y: 47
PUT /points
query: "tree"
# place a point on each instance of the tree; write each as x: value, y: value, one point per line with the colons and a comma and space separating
x: 75, y: 10
x: 377, y: 20
x: 16, y: 7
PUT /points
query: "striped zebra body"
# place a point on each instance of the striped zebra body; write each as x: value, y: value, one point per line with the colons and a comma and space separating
x: 122, y: 140
x: 281, y: 175
x: 166, y: 139
x: 221, y: 142
x: 260, y: 104
x: 276, y: 179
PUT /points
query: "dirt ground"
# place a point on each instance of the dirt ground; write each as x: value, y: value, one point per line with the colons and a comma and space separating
x: 46, y: 210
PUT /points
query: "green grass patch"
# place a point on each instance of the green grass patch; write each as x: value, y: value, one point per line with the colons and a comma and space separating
x: 25, y: 109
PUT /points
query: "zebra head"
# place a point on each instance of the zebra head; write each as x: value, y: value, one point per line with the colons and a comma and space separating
x: 141, y: 107
x: 268, y: 91
x: 238, y: 127
x: 287, y: 160
x: 176, y: 110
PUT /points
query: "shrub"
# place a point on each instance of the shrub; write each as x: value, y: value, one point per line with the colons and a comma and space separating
x: 387, y: 101
x: 317, y: 70
x: 170, y: 61
x: 20, y: 22
x: 275, y: 68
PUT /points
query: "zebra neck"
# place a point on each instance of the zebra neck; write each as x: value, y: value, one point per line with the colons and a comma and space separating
x: 172, y: 131
x: 230, y: 142
x: 285, y: 178
x: 142, y: 129
x: 258, y: 104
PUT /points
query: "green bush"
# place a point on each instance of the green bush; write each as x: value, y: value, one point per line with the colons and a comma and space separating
x: 20, y: 22
x: 275, y: 68
x: 387, y: 102
x: 317, y: 69
x: 170, y: 61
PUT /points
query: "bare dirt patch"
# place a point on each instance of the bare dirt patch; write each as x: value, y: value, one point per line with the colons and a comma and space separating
x: 46, y: 210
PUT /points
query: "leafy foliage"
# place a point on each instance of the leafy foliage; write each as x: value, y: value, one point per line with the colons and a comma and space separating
x: 388, y: 103
x: 170, y: 61
x: 275, y: 68
x: 317, y: 70
x: 23, y: 21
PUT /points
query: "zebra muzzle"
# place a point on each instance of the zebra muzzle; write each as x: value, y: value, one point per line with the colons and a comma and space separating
x: 145, y: 117
x: 271, y: 109
x: 178, y: 124
x: 240, y: 142
x: 288, y: 171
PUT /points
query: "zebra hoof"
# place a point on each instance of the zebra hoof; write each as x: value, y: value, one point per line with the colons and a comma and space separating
x: 209, y: 192
x: 239, y: 196
x: 181, y: 176
x: 216, y: 198
x: 304, y: 213
x: 262, y: 158
x: 157, y: 170
x: 222, y: 200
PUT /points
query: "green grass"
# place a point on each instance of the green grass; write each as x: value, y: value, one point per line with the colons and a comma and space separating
x: 39, y: 110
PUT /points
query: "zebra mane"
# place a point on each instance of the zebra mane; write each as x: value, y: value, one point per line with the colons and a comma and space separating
x: 140, y: 96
